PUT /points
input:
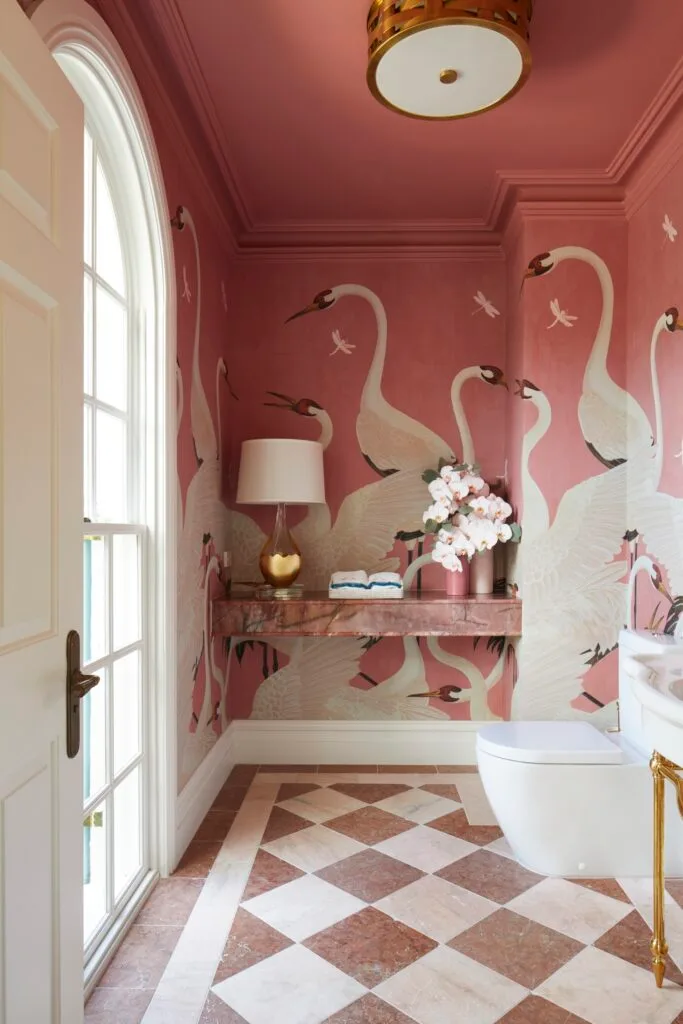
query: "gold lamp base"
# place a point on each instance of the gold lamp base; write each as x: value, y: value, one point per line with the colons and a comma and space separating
x: 280, y: 559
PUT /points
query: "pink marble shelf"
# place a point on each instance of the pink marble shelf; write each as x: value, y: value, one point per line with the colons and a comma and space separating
x: 431, y: 613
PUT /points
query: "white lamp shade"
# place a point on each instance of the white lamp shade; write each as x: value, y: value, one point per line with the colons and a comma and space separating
x: 281, y: 470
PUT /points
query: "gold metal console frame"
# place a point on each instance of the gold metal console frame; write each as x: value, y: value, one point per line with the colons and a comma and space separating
x: 661, y: 769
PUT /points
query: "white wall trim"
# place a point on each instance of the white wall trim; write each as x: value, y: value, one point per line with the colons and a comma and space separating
x: 352, y: 742
x: 200, y: 792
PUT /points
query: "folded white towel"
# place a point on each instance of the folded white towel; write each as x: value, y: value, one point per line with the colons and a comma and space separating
x: 358, y: 578
x: 386, y: 577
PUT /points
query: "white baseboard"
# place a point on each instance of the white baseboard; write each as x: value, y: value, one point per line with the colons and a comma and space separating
x: 354, y: 742
x: 200, y: 792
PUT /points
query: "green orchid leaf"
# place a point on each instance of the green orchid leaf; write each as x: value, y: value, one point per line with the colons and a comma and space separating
x: 430, y: 475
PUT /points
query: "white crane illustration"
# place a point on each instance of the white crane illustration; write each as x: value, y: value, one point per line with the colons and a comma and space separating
x: 573, y: 597
x: 612, y: 422
x: 389, y: 439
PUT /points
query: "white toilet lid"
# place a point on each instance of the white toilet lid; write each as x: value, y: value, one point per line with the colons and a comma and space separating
x: 548, y: 743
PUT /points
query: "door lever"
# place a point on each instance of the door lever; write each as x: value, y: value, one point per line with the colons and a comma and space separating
x: 77, y: 685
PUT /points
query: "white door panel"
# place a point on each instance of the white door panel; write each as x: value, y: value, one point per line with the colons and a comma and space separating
x: 41, y: 252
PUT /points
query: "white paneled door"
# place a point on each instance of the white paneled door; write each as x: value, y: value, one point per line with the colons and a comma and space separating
x: 41, y: 512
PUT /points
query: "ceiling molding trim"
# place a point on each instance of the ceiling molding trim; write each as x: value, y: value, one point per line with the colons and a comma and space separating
x: 663, y: 154
x: 171, y: 25
x: 644, y: 158
x: 649, y: 127
x: 158, y: 97
x: 372, y: 253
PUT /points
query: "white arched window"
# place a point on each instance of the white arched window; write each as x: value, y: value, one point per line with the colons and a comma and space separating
x: 128, y: 721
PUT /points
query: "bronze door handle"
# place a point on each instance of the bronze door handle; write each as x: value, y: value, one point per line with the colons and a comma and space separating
x: 78, y: 683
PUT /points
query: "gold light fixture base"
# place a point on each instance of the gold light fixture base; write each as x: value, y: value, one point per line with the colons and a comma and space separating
x: 280, y: 559
x: 480, y: 48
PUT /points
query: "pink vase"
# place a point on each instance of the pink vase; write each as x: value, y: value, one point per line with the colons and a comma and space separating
x: 458, y: 583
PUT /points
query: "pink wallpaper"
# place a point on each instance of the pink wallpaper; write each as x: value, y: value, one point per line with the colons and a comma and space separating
x: 202, y: 265
x: 578, y: 337
x: 436, y: 329
x: 570, y: 568
x: 655, y: 266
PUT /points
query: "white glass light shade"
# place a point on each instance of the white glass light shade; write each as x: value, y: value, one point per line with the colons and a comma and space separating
x: 281, y: 470
x: 443, y: 59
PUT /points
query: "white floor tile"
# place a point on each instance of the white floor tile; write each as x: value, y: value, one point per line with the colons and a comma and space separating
x: 571, y: 909
x: 475, y: 801
x: 295, y: 986
x: 425, y: 848
x: 314, y: 848
x: 445, y: 987
x: 321, y: 804
x: 436, y: 908
x: 303, y: 907
x: 603, y: 989
x: 640, y: 891
x: 418, y: 805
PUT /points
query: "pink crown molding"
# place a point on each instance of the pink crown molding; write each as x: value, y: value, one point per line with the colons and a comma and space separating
x: 364, y: 253
x: 170, y: 22
x: 648, y: 153
x: 168, y: 107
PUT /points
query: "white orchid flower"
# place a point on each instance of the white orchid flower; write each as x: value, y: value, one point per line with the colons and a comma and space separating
x: 669, y: 230
x: 341, y: 345
x: 475, y: 484
x: 446, y: 555
x: 482, y: 533
x: 503, y: 531
x: 440, y: 491
x: 480, y: 507
x: 561, y: 315
x: 499, y: 509
x: 447, y: 473
x: 438, y: 512
x: 463, y: 544
x: 485, y: 305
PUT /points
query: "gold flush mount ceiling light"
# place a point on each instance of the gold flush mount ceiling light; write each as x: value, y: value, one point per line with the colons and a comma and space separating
x: 443, y: 59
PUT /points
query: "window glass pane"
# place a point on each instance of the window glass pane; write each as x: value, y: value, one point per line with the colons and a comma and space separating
x: 126, y: 590
x: 127, y: 837
x: 88, y: 510
x: 87, y: 334
x: 88, y: 198
x: 108, y: 255
x: 127, y: 712
x: 95, y: 610
x: 93, y: 733
x: 94, y: 870
x: 111, y: 350
x: 110, y: 468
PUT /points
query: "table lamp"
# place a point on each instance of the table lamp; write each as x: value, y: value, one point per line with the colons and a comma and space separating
x: 281, y: 471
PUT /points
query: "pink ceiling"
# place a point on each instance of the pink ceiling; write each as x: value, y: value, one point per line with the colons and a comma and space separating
x: 307, y: 143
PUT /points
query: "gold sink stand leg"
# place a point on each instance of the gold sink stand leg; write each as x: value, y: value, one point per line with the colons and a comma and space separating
x: 661, y: 769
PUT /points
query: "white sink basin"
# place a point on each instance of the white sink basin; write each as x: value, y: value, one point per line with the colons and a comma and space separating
x: 657, y: 684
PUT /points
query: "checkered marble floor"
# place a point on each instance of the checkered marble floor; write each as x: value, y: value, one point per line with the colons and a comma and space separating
x: 392, y: 898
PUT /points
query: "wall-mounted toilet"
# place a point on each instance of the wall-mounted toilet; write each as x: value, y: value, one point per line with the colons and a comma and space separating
x: 574, y: 801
